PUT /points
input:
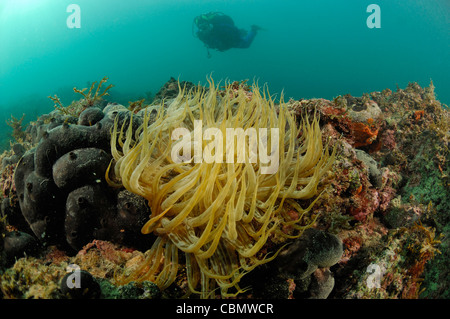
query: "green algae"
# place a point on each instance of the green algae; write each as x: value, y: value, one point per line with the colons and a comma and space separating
x: 132, y: 290
x: 437, y: 275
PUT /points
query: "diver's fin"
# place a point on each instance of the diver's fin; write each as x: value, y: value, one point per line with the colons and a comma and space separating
x: 255, y: 27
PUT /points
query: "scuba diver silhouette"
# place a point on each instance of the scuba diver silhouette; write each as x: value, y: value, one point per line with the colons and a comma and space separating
x: 217, y: 31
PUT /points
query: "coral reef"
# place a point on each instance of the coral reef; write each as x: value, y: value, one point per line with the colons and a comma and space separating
x: 379, y: 229
x: 398, y: 183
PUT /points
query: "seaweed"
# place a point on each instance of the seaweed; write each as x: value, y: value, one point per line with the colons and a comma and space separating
x: 90, y: 99
x: 136, y: 106
x: 18, y: 133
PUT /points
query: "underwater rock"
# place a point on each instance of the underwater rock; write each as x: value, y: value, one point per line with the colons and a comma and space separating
x: 120, y: 114
x: 94, y: 212
x: 322, y: 284
x: 276, y: 287
x: 402, y: 215
x: 357, y: 119
x: 18, y: 149
x: 314, y: 249
x: 301, y: 270
x: 374, y: 173
x: 114, y: 107
x: 10, y: 209
x: 171, y: 88
x: 23, y: 169
x: 408, y: 140
x: 47, y: 122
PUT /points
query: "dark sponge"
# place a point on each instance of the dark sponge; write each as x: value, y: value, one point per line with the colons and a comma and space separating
x: 64, y: 139
x: 41, y: 203
x: 19, y: 244
x: 80, y: 284
x: 132, y: 213
x: 90, y: 116
x: 87, y: 210
x: 61, y: 186
x: 80, y: 167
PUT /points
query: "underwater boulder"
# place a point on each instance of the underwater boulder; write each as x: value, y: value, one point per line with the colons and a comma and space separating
x: 314, y: 249
x: 375, y: 175
x: 122, y: 116
x: 322, y: 283
x: 301, y: 270
x: 362, y: 109
x: 95, y: 212
x: 171, y: 89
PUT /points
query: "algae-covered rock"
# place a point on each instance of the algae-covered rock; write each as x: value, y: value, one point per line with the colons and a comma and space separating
x: 374, y: 173
x: 314, y: 249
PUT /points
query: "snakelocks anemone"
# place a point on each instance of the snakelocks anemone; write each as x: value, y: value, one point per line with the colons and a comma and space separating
x: 221, y: 206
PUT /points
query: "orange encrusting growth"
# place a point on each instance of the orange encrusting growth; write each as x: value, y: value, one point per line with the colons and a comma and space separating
x: 362, y: 134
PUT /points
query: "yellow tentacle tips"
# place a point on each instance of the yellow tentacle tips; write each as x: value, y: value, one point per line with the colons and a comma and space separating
x: 221, y: 192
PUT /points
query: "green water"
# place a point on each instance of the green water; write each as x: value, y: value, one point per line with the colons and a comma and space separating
x: 307, y: 49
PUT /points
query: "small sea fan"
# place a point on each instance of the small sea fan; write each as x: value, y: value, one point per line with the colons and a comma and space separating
x: 219, y: 213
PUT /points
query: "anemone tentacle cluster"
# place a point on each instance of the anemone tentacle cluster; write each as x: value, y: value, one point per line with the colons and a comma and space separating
x: 221, y: 215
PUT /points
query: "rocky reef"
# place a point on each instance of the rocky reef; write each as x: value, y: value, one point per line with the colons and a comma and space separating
x: 380, y: 227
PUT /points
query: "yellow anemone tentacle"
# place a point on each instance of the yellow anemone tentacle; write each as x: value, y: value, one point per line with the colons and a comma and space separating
x: 223, y: 216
